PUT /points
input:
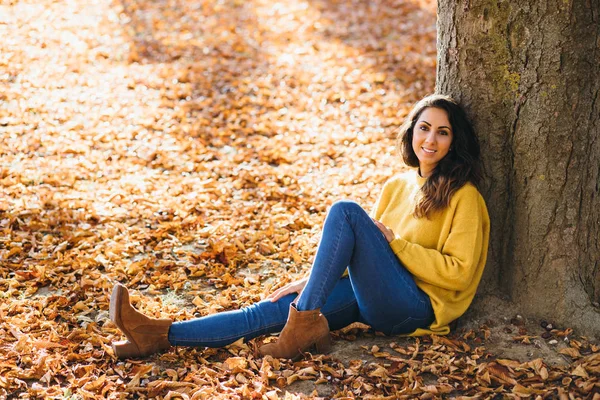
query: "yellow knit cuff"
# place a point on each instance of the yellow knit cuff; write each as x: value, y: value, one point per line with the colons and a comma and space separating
x: 398, y: 245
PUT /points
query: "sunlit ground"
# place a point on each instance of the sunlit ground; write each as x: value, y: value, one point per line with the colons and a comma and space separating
x: 188, y: 149
x: 123, y: 119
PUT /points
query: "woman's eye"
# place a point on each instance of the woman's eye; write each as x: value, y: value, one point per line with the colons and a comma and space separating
x: 423, y: 128
x: 444, y: 133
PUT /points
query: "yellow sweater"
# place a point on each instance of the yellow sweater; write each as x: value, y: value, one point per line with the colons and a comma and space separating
x: 446, y: 254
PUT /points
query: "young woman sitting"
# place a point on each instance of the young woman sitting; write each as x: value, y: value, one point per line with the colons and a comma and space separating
x: 412, y: 267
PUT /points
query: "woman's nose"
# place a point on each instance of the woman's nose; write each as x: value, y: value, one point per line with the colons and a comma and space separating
x: 430, y: 138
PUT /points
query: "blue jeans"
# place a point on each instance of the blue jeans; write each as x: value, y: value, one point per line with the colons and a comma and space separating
x: 379, y: 290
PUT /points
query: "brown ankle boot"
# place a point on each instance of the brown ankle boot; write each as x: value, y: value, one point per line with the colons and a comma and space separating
x: 303, y: 330
x: 145, y: 335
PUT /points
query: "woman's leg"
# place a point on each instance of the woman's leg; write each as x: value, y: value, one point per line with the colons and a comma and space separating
x: 387, y: 296
x: 217, y: 330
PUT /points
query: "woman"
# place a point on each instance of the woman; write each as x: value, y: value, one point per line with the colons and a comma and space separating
x: 411, y: 269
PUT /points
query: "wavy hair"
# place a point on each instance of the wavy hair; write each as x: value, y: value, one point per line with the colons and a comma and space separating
x: 462, y: 164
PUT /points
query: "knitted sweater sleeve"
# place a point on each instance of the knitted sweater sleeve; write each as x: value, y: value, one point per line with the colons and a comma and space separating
x: 455, y: 265
x: 382, y: 200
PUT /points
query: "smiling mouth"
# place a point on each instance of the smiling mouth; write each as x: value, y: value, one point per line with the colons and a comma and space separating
x: 428, y: 151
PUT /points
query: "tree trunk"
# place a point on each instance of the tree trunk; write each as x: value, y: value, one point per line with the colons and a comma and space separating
x: 528, y: 73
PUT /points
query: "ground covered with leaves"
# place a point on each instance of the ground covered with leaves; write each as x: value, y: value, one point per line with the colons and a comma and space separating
x: 190, y: 150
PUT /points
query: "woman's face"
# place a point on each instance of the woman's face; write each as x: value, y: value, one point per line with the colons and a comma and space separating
x: 432, y: 137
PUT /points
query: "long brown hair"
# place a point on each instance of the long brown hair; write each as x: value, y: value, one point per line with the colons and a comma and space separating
x: 462, y: 164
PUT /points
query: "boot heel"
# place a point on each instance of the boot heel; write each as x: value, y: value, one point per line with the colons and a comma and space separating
x: 323, y: 344
x: 125, y: 349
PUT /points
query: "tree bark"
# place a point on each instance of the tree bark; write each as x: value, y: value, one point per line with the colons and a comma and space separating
x: 528, y: 73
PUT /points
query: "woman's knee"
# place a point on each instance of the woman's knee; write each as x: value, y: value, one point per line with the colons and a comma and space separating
x: 345, y: 206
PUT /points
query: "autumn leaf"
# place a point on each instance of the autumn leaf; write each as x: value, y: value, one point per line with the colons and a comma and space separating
x: 501, y: 374
x: 570, y: 351
x: 235, y: 364
x: 580, y: 371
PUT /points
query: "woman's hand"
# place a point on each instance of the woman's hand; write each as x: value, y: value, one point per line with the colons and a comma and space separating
x: 387, y: 232
x: 292, y: 287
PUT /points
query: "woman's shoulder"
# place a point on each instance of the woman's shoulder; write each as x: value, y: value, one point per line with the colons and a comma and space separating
x: 469, y: 190
x: 468, y: 196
